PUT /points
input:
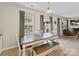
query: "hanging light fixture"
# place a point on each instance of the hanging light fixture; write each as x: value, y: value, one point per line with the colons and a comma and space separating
x: 48, y: 11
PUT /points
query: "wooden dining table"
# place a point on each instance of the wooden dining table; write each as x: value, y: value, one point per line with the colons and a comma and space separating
x: 31, y: 40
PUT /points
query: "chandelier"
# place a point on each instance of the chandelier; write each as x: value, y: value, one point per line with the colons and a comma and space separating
x: 48, y: 11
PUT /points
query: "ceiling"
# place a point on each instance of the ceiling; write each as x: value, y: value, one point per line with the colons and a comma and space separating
x: 67, y: 9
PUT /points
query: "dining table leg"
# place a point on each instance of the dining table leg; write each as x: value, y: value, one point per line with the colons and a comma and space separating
x: 23, y: 50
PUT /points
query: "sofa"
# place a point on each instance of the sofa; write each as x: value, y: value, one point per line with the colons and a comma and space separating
x: 69, y: 32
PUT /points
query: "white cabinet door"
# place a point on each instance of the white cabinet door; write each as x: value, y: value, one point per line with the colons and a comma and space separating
x: 0, y: 43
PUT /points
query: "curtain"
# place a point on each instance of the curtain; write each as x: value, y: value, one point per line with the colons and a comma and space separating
x: 42, y: 25
x: 51, y: 23
x: 21, y: 28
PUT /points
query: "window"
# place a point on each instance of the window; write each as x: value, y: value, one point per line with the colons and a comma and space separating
x: 29, y: 25
x: 48, y: 24
x: 48, y: 27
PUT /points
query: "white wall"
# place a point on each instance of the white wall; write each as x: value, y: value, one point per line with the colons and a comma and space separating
x: 62, y: 19
x: 55, y: 25
x: 0, y: 19
x: 9, y: 22
x: 10, y: 26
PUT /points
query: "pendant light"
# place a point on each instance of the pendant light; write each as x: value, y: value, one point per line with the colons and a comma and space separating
x: 48, y: 11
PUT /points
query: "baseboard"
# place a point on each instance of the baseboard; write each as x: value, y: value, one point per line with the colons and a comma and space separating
x: 9, y: 48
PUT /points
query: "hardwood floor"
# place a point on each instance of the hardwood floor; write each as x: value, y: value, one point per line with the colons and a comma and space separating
x: 10, y: 52
x: 68, y: 46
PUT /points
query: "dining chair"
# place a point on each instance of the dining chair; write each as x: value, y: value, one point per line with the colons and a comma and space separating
x: 20, y: 49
